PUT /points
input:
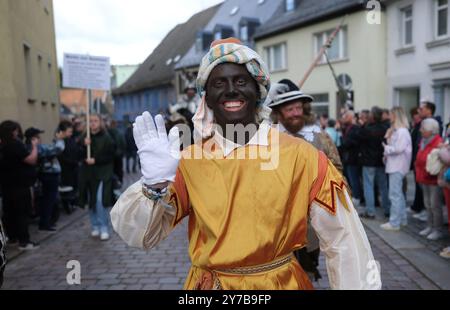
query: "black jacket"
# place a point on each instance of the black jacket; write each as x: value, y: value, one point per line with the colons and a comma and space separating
x: 130, y: 145
x: 2, y: 253
x: 70, y: 160
x: 349, y: 149
x: 371, y: 138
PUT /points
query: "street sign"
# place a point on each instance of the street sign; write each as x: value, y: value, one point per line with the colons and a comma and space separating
x: 345, y: 81
x: 87, y: 72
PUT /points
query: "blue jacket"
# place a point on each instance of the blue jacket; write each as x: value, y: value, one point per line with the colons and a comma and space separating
x: 47, y: 157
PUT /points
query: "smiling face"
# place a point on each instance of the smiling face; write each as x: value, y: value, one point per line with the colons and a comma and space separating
x: 290, y: 115
x: 232, y: 94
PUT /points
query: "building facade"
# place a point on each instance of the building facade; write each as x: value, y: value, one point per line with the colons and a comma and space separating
x: 234, y: 18
x: 121, y: 73
x: 292, y: 39
x: 75, y: 102
x: 419, y: 54
x: 153, y: 86
x: 28, y: 66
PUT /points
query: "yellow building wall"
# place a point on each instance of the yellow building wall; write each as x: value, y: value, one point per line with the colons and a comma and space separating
x: 30, y: 23
x: 365, y: 63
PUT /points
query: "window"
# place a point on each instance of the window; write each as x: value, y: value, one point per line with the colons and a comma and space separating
x: 338, y: 49
x: 407, y: 25
x: 50, y: 82
x: 321, y: 104
x: 42, y: 89
x: 203, y: 41
x: 28, y: 74
x: 223, y: 31
x: 275, y: 56
x: 234, y: 11
x: 441, y: 14
x: 247, y: 28
x: 290, y: 5
x: 244, y: 33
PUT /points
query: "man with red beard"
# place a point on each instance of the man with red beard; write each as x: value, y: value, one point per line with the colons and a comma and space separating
x: 291, y: 109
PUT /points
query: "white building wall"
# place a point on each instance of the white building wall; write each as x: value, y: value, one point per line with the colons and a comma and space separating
x: 422, y: 65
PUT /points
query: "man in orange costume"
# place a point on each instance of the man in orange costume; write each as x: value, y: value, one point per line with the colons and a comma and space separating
x: 247, y: 196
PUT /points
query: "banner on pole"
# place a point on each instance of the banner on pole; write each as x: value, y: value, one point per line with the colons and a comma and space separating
x: 86, y: 72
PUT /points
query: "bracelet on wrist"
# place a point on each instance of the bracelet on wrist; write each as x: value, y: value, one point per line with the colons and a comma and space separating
x: 153, y: 194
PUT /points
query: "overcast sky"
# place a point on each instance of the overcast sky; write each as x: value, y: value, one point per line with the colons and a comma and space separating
x: 125, y: 30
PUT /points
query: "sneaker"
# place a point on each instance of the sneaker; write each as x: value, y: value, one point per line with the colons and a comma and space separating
x: 435, y: 235
x: 421, y: 216
x: 29, y: 246
x: 445, y: 252
x: 104, y: 236
x: 95, y: 233
x: 389, y: 227
x: 425, y: 232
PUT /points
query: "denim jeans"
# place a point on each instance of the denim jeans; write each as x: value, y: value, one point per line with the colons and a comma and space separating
x: 398, y: 203
x: 100, y: 219
x: 371, y: 175
x: 352, y: 173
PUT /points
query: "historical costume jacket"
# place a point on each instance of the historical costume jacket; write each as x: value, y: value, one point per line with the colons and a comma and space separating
x: 248, y: 208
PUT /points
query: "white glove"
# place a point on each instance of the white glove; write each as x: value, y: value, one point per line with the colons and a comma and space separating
x: 275, y: 90
x: 159, y: 154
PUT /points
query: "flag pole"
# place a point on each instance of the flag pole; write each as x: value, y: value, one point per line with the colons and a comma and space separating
x: 88, y: 127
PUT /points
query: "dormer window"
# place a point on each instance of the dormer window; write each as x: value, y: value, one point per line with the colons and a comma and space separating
x: 203, y: 41
x: 243, y: 33
x: 234, y: 11
x: 247, y: 28
x: 223, y: 32
x: 290, y: 5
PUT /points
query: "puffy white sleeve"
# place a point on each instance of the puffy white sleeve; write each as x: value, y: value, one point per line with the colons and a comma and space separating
x: 139, y: 221
x: 349, y: 259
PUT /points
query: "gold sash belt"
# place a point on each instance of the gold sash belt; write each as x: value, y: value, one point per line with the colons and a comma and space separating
x: 209, y: 280
x: 259, y: 268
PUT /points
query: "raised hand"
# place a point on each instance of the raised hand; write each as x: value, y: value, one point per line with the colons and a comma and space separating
x: 159, y: 153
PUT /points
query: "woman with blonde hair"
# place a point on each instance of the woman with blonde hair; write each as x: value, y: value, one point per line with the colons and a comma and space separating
x: 397, y: 155
x: 96, y: 176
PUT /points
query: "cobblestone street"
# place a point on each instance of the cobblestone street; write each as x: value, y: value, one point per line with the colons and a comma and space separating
x: 113, y: 265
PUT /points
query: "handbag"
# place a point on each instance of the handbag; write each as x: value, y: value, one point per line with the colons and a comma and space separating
x: 434, y: 164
